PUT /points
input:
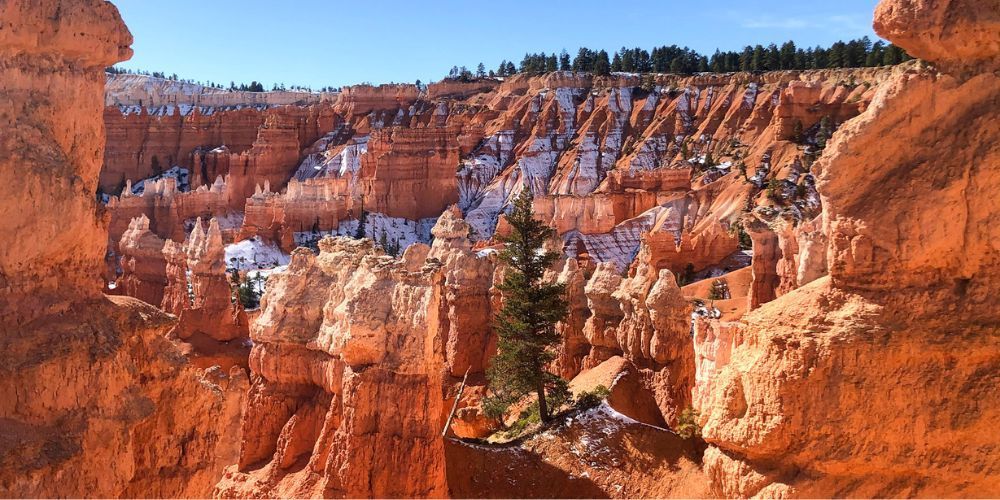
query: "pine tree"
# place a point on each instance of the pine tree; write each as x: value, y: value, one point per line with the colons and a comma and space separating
x: 480, y: 70
x: 602, y: 66
x: 616, y: 62
x: 564, y: 61
x: 526, y: 323
x: 551, y: 63
x: 362, y: 220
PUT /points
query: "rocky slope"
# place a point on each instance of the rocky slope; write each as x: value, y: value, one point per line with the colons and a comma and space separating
x: 610, y: 160
x: 96, y: 402
x: 879, y: 379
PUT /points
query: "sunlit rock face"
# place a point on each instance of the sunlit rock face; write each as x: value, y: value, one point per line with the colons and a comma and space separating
x: 607, y: 158
x: 813, y: 394
x: 96, y: 401
x: 354, y: 351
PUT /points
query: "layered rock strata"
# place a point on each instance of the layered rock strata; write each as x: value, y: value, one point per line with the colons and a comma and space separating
x: 878, y: 380
x: 96, y: 402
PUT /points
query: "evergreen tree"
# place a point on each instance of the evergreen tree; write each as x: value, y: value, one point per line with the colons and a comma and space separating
x: 584, y: 60
x: 786, y: 57
x: 359, y: 233
x: 676, y: 66
x: 564, y: 61
x: 510, y: 68
x: 746, y: 58
x: 772, y: 60
x: 616, y: 62
x: 480, y: 70
x: 757, y: 60
x: 874, y: 57
x: 602, y: 66
x: 551, y: 63
x: 526, y: 322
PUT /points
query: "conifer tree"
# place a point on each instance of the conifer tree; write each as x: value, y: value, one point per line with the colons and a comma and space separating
x: 564, y: 61
x: 551, y: 63
x: 526, y: 323
x: 602, y: 66
x: 362, y: 220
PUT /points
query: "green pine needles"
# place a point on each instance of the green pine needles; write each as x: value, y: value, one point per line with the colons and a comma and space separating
x: 526, y: 323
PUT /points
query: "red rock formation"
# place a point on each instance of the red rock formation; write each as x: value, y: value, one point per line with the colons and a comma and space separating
x: 641, y: 319
x: 172, y: 213
x: 141, y: 144
x: 211, y: 310
x: 251, y: 142
x: 274, y: 154
x: 96, y: 401
x: 410, y: 173
x: 812, y: 394
x: 144, y: 269
x: 359, y: 100
x: 353, y: 352
x: 597, y: 152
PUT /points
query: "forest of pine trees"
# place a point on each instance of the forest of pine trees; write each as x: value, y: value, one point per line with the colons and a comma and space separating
x: 855, y: 53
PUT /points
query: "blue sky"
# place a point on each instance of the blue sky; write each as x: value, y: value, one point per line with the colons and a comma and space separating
x: 320, y: 43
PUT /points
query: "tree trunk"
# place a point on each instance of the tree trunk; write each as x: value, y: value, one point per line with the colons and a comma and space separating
x: 543, y: 410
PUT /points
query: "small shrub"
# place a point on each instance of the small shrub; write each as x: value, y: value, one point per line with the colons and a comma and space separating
x: 687, y: 424
x: 772, y: 190
x: 528, y: 417
x: 591, y: 399
x: 719, y: 290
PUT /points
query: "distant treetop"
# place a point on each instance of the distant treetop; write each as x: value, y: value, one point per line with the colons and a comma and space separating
x: 856, y: 53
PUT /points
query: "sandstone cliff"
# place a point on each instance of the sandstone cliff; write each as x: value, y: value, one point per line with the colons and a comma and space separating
x: 878, y: 380
x: 96, y: 402
x: 608, y: 159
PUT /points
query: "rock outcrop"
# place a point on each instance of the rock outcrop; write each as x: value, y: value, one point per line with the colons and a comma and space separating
x: 96, y: 402
x: 880, y: 379
x: 212, y: 310
x: 353, y: 354
x: 144, y: 269
x: 642, y: 317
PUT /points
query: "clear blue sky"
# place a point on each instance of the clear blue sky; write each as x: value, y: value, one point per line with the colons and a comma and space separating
x: 320, y: 43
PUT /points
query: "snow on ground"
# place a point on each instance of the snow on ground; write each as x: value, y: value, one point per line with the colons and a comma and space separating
x: 597, y: 428
x: 333, y: 162
x: 254, y: 254
x: 185, y: 109
x: 405, y: 232
x: 750, y: 96
x: 620, y: 245
x: 181, y: 174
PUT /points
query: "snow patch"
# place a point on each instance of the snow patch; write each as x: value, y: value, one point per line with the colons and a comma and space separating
x: 254, y: 254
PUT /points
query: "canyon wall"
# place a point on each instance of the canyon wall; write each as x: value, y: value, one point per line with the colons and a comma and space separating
x: 880, y: 379
x: 96, y: 402
x: 676, y: 162
x: 353, y: 353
